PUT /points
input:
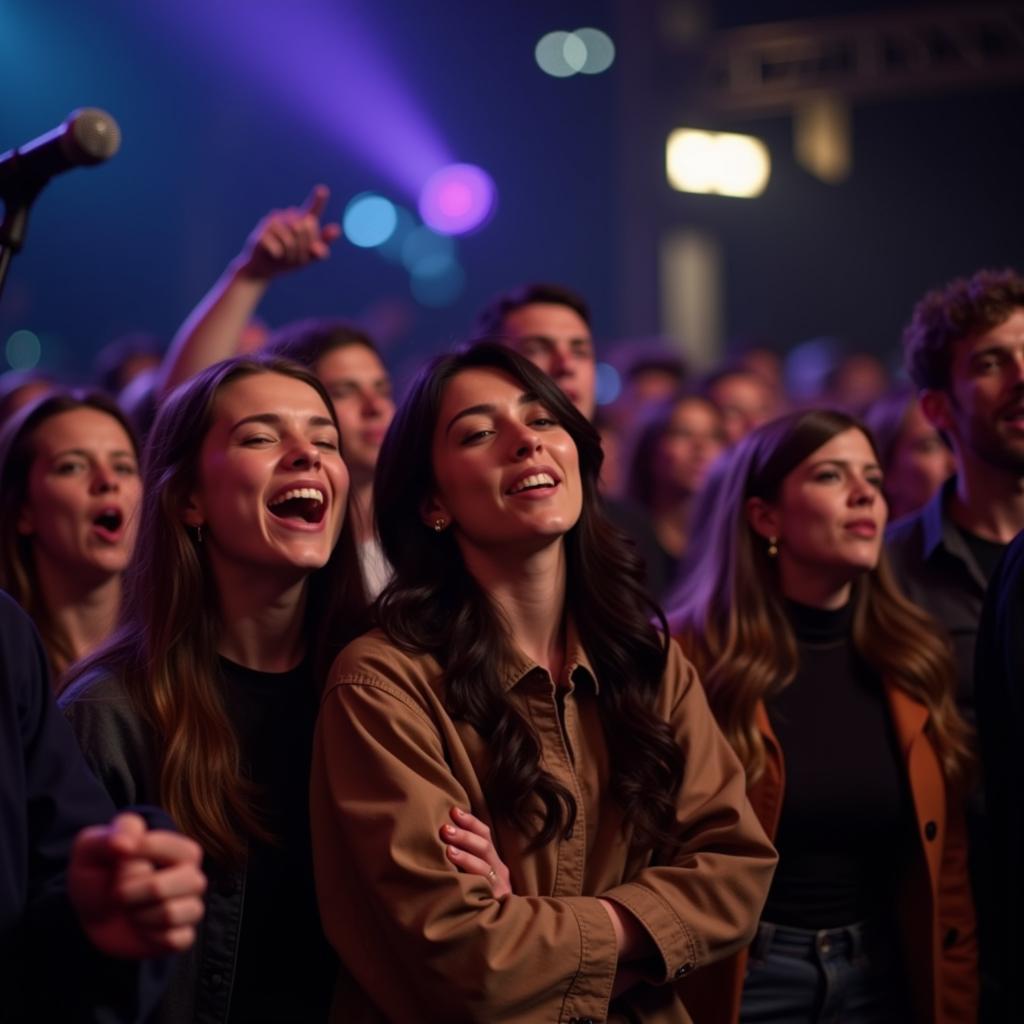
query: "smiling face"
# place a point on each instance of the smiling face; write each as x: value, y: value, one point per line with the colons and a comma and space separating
x: 360, y: 389
x: 983, y: 410
x: 271, y: 486
x: 83, y: 494
x: 557, y: 340
x: 829, y: 517
x: 506, y: 473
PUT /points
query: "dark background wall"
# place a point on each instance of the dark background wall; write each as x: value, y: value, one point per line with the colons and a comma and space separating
x: 231, y: 108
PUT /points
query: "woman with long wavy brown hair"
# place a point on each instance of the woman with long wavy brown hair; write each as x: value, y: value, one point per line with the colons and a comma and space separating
x: 69, y: 475
x: 837, y: 695
x: 516, y: 681
x: 243, y: 586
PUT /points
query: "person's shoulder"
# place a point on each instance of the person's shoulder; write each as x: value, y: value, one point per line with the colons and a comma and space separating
x: 99, y: 687
x: 375, y: 658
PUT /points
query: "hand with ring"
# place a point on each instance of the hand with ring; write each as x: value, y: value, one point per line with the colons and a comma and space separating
x: 469, y: 847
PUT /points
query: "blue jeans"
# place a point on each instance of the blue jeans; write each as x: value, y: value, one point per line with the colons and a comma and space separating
x: 847, y: 975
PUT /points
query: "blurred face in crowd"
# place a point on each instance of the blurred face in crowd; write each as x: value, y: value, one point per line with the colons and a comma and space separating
x: 829, y: 517
x: 360, y: 389
x: 506, y: 472
x: 919, y: 463
x: 745, y: 402
x: 692, y: 440
x: 983, y: 410
x: 272, y: 486
x: 556, y: 339
x: 83, y: 495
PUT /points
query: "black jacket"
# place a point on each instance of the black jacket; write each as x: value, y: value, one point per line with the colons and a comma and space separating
x: 48, y: 970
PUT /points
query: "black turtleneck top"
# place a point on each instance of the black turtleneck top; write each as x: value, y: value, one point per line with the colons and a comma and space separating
x: 847, y: 816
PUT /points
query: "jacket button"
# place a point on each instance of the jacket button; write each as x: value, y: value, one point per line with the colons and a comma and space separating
x: 950, y: 938
x: 931, y: 830
x: 216, y: 981
x: 684, y: 969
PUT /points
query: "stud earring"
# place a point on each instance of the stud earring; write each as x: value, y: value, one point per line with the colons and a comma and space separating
x: 439, y: 525
x: 199, y: 534
x: 773, y: 547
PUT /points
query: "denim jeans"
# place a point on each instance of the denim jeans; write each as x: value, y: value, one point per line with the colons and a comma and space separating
x: 849, y: 975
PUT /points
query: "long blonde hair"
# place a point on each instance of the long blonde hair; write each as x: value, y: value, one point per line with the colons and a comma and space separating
x: 729, y: 616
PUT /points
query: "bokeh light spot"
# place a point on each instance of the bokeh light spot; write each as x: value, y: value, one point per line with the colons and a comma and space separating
x: 369, y: 220
x: 423, y: 245
x: 23, y: 350
x: 437, y: 281
x: 550, y: 55
x: 600, y: 50
x: 457, y: 199
x: 722, y: 163
x: 608, y: 384
x: 405, y: 225
x: 574, y: 50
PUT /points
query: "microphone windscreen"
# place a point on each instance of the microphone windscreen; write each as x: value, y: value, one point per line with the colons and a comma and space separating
x: 93, y: 136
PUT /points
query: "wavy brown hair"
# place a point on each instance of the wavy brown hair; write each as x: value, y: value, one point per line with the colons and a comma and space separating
x: 434, y: 605
x: 165, y: 649
x: 17, y: 562
x: 729, y: 616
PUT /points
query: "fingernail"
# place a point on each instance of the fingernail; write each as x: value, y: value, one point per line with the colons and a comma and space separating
x: 459, y: 812
x: 452, y: 852
x: 449, y: 830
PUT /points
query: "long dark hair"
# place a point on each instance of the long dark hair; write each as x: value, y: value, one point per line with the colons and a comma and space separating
x: 730, y: 617
x: 165, y: 649
x: 17, y: 564
x: 434, y: 605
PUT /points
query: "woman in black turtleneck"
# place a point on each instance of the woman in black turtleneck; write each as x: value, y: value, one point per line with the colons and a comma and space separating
x: 836, y: 694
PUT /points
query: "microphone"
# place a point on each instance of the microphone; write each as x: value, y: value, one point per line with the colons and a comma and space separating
x: 88, y: 136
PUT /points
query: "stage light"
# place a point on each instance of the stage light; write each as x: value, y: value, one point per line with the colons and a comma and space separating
x: 608, y: 383
x: 437, y: 281
x: 719, y: 163
x: 599, y: 48
x: 369, y: 220
x: 457, y: 199
x: 23, y: 350
x: 550, y: 55
x: 588, y: 51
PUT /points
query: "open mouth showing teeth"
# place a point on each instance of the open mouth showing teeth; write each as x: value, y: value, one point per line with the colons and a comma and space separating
x: 305, y: 503
x: 531, y: 483
x: 109, y: 521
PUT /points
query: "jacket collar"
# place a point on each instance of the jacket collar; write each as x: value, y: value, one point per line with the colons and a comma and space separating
x: 577, y: 665
x: 939, y: 531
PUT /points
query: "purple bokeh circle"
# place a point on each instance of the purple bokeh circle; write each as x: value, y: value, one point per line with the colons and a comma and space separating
x: 457, y: 199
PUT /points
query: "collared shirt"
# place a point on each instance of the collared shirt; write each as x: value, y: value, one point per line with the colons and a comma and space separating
x: 938, y: 571
x: 423, y: 942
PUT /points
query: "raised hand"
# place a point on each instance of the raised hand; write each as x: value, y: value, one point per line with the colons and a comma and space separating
x: 137, y: 892
x: 288, y: 239
x: 470, y: 849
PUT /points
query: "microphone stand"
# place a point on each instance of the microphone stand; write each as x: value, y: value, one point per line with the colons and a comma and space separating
x: 12, y: 230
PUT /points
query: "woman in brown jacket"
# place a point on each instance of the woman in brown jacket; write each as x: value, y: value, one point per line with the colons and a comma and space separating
x: 515, y: 674
x: 836, y: 693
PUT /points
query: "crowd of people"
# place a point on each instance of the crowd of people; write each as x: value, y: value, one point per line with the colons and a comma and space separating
x: 494, y: 704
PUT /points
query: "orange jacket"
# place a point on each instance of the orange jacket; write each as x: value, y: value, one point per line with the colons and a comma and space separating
x: 936, y: 910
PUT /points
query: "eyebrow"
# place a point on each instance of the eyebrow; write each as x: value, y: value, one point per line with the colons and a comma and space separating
x: 117, y: 453
x: 845, y: 463
x: 486, y: 408
x: 271, y: 419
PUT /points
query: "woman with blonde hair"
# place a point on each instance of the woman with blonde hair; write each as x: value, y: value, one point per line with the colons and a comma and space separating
x: 837, y: 695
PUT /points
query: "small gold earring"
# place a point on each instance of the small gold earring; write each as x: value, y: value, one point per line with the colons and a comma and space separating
x: 773, y: 547
x: 439, y: 525
x: 199, y: 534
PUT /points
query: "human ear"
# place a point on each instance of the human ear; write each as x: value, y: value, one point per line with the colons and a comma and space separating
x: 192, y: 514
x: 432, y: 512
x: 935, y: 406
x: 763, y: 518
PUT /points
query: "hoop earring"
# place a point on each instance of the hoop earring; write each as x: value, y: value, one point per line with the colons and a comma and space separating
x: 773, y: 547
x: 439, y: 525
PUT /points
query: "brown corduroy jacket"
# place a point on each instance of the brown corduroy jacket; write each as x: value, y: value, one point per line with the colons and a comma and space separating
x: 422, y: 942
x: 936, y: 910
